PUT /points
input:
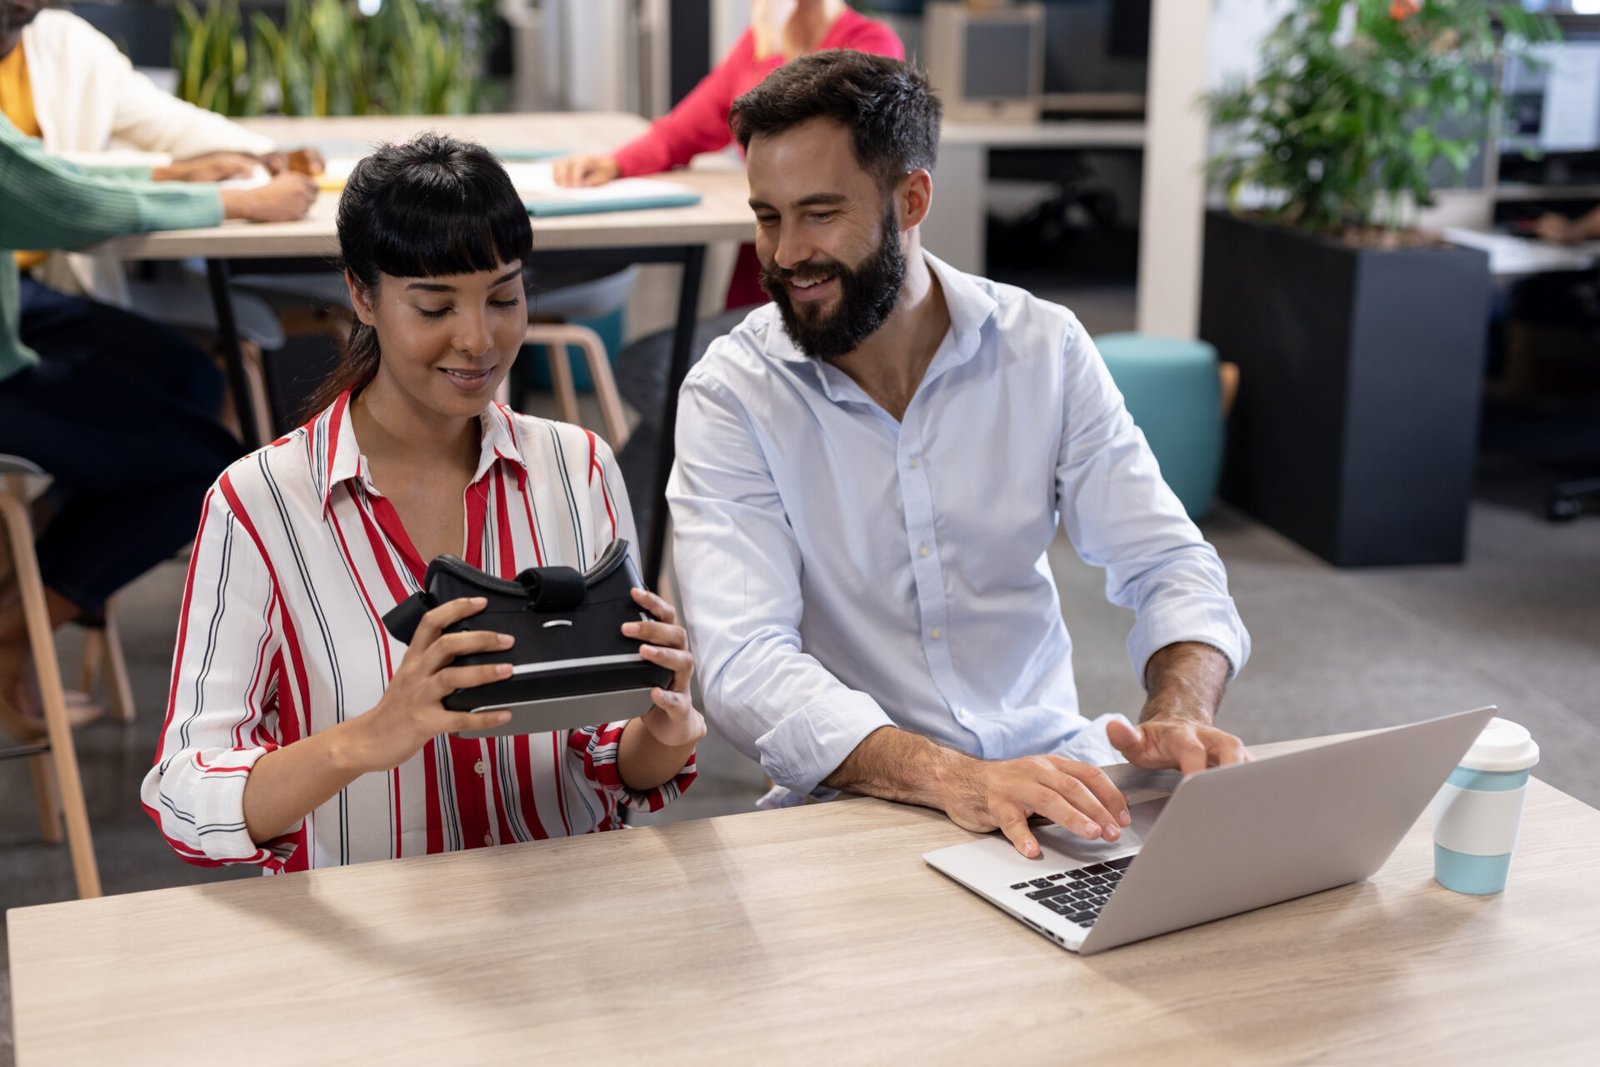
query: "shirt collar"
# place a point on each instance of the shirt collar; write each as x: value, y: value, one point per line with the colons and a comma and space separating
x: 333, y: 435
x: 969, y: 304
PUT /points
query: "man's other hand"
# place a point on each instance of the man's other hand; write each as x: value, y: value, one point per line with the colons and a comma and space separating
x: 1175, y: 741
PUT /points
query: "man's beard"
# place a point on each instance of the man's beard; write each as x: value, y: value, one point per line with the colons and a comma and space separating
x: 867, y: 294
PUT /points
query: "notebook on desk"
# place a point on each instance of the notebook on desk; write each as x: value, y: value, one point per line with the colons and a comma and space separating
x: 1224, y: 841
x: 543, y: 197
x: 341, y: 156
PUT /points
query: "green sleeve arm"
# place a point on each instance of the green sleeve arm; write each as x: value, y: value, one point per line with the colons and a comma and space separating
x: 52, y: 204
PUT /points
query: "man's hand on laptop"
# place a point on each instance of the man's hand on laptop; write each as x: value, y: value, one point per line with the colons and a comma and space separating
x: 1184, y: 684
x: 1174, y: 741
x: 1004, y: 794
x: 983, y: 795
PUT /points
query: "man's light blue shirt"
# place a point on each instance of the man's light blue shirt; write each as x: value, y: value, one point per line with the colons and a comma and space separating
x: 842, y: 571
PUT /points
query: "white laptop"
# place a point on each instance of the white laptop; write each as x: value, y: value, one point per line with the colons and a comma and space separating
x: 1223, y: 841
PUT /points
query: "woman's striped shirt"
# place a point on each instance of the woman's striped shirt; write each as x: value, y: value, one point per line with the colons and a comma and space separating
x: 298, y: 557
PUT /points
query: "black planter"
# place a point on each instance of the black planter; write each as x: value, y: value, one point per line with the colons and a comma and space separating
x: 1361, y: 370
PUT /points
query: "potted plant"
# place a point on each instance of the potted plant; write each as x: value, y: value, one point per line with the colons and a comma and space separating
x: 325, y: 57
x: 1360, y: 341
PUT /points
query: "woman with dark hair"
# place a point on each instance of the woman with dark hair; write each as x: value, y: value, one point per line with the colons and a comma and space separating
x: 299, y: 734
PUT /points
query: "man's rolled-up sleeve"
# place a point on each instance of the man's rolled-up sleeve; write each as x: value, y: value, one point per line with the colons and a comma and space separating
x: 739, y: 568
x: 1122, y: 516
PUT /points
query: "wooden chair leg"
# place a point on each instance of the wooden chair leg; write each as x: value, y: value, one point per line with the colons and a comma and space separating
x: 47, y: 796
x: 255, y: 373
x: 63, y: 753
x: 554, y: 338
x: 92, y: 662
x: 605, y: 387
x: 118, y: 688
x: 102, y: 651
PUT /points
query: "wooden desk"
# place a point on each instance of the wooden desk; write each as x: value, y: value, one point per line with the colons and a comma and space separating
x: 723, y: 214
x: 672, y: 235
x: 812, y: 935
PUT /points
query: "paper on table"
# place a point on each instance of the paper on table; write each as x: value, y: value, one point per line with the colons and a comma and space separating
x: 257, y: 177
x: 336, y: 171
x: 342, y: 157
x: 536, y: 182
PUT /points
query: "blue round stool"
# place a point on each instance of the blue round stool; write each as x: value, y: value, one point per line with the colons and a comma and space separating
x: 1173, y: 392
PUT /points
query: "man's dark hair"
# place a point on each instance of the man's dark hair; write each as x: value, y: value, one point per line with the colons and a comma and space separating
x: 891, y: 113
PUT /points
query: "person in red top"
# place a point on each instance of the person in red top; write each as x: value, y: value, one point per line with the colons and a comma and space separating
x: 779, y: 31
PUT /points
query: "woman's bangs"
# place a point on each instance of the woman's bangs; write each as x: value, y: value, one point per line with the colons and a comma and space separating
x: 462, y: 230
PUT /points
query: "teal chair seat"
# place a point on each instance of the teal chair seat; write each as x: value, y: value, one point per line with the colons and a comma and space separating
x: 1172, y: 391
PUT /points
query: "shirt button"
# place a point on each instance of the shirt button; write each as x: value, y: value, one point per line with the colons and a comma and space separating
x: 935, y: 633
x: 913, y: 462
x: 488, y: 839
x: 923, y: 551
x: 478, y: 768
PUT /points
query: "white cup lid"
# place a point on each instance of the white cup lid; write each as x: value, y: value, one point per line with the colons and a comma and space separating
x: 1503, y: 746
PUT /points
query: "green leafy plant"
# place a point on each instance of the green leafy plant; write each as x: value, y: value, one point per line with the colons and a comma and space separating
x: 1360, y: 104
x: 210, y: 55
x: 326, y: 58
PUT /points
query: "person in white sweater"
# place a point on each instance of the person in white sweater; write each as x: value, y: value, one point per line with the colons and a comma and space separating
x: 86, y: 98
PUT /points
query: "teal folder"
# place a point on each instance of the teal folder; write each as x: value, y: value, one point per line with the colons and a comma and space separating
x: 526, y: 155
x: 551, y: 208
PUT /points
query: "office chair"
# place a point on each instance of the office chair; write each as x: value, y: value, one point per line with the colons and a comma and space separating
x: 58, y: 786
x: 1566, y: 499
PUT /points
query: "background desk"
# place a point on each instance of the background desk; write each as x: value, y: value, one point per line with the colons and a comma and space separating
x: 956, y: 229
x: 677, y: 235
x: 811, y: 935
x: 1511, y: 256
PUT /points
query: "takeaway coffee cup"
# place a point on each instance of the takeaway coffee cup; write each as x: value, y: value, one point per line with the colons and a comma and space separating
x: 1476, y: 812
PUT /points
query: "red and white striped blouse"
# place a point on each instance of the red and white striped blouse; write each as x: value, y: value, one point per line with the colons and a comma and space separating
x: 297, y: 559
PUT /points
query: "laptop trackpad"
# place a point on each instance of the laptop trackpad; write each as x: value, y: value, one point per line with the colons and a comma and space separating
x: 1074, y: 851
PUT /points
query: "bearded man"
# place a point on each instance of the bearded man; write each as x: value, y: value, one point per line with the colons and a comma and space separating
x: 869, y: 472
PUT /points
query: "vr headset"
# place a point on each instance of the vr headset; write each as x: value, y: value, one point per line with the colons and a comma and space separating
x: 571, y: 665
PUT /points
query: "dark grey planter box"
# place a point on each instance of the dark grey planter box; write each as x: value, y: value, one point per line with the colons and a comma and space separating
x: 1361, y: 371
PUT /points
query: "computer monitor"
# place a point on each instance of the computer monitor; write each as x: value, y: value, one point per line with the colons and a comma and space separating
x: 986, y: 64
x: 1553, y: 104
x: 1551, y: 129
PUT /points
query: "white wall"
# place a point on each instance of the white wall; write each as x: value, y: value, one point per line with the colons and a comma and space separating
x: 1237, y: 29
x: 729, y: 18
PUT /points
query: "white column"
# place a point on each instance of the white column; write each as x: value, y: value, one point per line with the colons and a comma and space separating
x: 599, y: 67
x: 1172, y: 204
x: 954, y: 229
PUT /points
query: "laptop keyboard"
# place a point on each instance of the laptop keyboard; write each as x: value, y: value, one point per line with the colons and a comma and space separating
x: 1079, y: 894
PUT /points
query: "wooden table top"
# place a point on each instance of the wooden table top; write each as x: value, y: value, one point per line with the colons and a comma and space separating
x: 814, y: 935
x: 722, y: 215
